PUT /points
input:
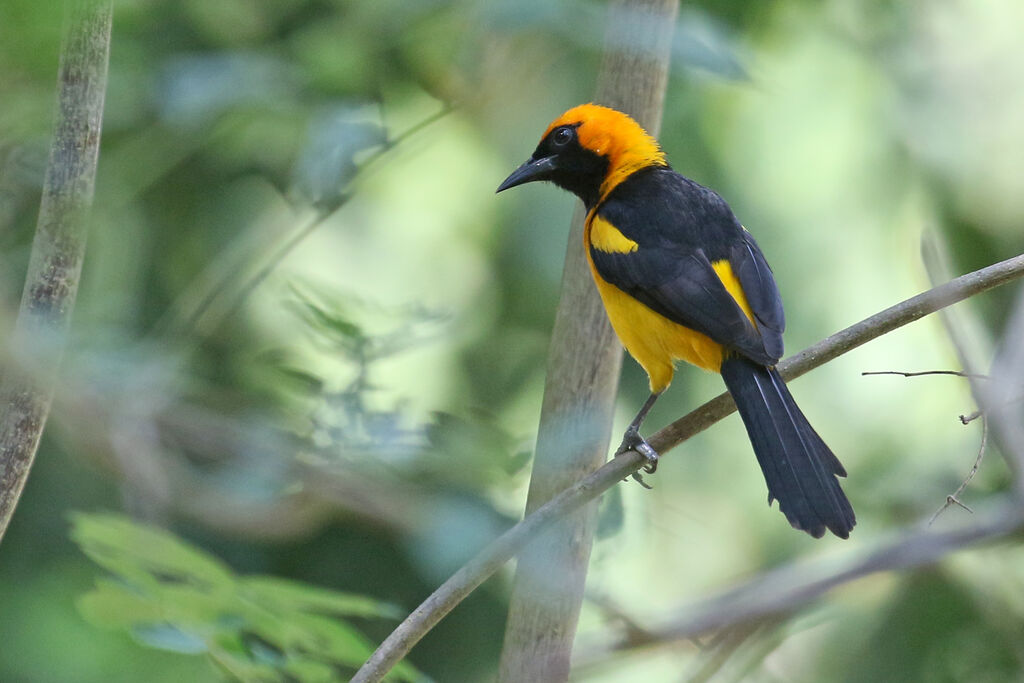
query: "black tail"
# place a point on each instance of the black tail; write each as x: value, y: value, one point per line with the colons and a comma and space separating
x: 798, y: 467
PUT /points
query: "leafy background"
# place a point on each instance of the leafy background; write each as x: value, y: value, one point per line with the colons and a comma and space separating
x: 359, y: 416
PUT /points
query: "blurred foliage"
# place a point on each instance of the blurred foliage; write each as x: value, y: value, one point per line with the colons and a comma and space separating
x: 344, y: 425
x: 311, y: 341
x: 169, y: 595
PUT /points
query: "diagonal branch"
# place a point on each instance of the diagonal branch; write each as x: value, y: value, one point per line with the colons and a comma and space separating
x: 491, y: 558
x: 782, y: 590
x: 839, y: 343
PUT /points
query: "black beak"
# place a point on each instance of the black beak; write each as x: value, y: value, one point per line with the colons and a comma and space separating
x: 533, y: 169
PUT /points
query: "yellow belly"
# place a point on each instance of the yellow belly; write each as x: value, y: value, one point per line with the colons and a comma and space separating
x: 652, y: 339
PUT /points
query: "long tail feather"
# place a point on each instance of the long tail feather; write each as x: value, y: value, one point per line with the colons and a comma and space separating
x: 798, y: 467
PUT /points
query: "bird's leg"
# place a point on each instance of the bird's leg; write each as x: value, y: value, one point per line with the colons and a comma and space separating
x: 632, y: 441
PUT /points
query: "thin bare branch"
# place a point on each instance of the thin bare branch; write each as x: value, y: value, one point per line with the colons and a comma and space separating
x: 492, y: 557
x: 956, y: 373
x: 783, y: 590
x: 971, y: 417
x: 968, y: 419
x: 824, y: 351
x: 954, y: 498
x: 995, y: 398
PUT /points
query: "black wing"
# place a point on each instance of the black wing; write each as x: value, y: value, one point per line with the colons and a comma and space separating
x: 681, y: 228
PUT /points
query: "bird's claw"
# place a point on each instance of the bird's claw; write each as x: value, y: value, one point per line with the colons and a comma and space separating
x: 632, y: 441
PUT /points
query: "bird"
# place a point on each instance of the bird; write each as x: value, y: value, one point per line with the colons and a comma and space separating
x: 681, y: 279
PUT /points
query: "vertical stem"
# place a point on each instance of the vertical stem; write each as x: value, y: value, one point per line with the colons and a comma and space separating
x: 582, y: 379
x: 999, y: 397
x: 55, y: 263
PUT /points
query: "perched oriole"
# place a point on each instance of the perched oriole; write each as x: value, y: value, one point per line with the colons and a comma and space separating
x: 681, y: 279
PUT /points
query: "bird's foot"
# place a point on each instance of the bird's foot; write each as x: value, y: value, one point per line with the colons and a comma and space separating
x: 632, y: 441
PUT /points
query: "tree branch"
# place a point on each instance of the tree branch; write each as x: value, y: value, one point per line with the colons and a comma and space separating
x: 1000, y: 400
x: 782, y: 590
x: 492, y: 557
x: 58, y: 249
x: 824, y: 351
x: 993, y: 398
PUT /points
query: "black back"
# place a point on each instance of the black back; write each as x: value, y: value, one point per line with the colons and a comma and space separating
x: 681, y: 229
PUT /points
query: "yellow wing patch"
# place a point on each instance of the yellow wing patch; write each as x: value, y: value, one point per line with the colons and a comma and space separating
x: 607, y: 238
x: 732, y: 284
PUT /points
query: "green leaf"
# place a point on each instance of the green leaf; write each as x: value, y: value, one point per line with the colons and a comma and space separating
x: 230, y: 655
x: 301, y: 380
x: 319, y: 316
x: 171, y: 596
x: 170, y: 637
x: 295, y: 596
x: 113, y: 605
x: 147, y: 556
x: 310, y: 670
x: 328, y: 163
x: 328, y: 639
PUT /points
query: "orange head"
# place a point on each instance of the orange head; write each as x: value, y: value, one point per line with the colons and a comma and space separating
x: 589, y: 150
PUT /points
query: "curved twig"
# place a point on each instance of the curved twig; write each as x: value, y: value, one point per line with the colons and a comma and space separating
x: 491, y: 558
x: 954, y: 498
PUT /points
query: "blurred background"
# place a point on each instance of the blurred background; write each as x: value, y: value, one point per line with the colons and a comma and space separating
x: 311, y: 341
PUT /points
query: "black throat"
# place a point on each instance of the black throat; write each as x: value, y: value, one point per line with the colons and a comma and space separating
x: 582, y: 172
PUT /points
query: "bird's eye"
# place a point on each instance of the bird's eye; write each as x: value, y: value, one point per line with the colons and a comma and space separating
x: 562, y: 137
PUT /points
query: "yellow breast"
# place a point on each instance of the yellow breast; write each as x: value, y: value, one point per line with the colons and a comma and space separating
x: 652, y: 339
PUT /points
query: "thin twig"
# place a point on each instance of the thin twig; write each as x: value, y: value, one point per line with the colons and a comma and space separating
x: 492, y: 557
x: 968, y: 419
x: 971, y: 342
x: 956, y: 373
x: 275, y: 259
x: 954, y: 498
x: 301, y: 233
x: 783, y: 590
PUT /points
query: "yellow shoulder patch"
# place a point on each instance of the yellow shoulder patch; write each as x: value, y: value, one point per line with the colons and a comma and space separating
x: 607, y: 238
x: 732, y: 284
